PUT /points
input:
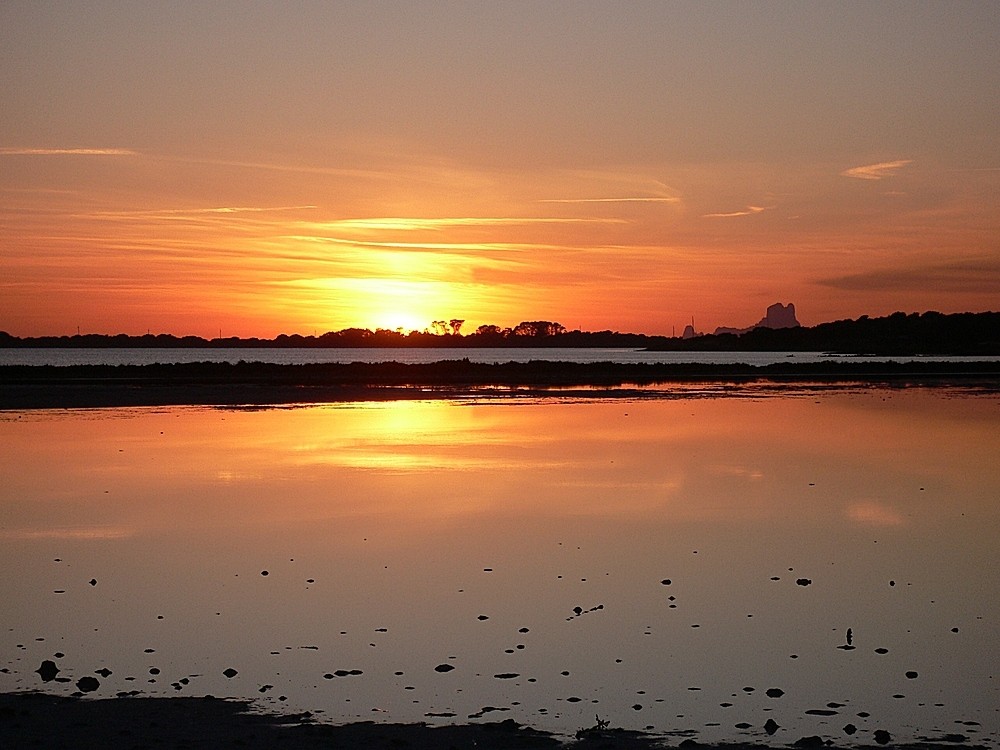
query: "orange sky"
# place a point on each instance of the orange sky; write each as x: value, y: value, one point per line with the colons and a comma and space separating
x: 256, y: 169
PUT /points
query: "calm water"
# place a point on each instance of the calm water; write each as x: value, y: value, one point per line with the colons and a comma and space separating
x: 661, y: 564
x: 304, y: 356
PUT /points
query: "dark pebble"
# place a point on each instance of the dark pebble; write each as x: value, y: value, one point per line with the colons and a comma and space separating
x: 93, y: 581
x: 230, y: 673
x: 803, y: 581
x: 850, y: 729
x: 48, y: 670
x: 105, y: 672
x: 443, y: 668
x: 483, y: 617
x: 771, y: 726
x: 88, y: 684
x: 882, y: 737
x: 666, y: 581
x: 263, y: 572
x: 810, y: 741
x: 506, y: 675
x: 911, y: 675
x: 774, y: 692
x: 743, y: 725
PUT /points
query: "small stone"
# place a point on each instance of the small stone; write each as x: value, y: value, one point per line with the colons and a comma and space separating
x: 911, y: 675
x: 93, y: 581
x: 230, y: 673
x: 882, y: 737
x: 774, y: 692
x: 771, y: 726
x: 88, y: 684
x: 666, y: 581
x: 850, y: 729
x: 803, y: 581
x: 263, y: 572
x: 483, y: 617
x: 443, y: 668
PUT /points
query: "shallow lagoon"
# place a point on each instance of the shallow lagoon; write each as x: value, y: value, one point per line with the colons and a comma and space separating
x: 658, y: 563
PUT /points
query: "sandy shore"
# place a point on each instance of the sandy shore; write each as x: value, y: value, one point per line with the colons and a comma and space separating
x: 46, y: 721
x: 254, y: 383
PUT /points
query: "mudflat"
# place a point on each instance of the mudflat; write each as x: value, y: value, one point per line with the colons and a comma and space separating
x: 256, y: 383
x: 33, y: 719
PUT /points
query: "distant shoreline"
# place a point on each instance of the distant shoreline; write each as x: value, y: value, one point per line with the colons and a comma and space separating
x: 263, y: 384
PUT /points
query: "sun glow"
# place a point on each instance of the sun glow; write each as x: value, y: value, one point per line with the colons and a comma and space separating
x: 390, y: 304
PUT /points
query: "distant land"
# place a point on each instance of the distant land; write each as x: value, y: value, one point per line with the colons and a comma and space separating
x: 899, y: 334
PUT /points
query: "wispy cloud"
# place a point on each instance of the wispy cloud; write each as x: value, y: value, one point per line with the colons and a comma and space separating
x: 418, y: 224
x: 968, y: 276
x: 629, y: 199
x: 196, y: 211
x: 748, y: 211
x: 873, y: 513
x: 876, y: 171
x: 14, y: 151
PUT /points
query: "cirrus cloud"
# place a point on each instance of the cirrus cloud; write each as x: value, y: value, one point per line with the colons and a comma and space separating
x: 876, y: 171
x: 15, y: 151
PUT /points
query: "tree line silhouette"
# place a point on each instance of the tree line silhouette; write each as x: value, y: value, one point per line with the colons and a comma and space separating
x: 929, y: 333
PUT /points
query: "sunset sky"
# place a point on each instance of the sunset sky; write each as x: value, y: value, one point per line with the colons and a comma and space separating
x: 258, y: 168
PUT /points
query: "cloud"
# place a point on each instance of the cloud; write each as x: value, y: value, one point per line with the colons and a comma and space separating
x: 749, y: 211
x: 629, y: 199
x: 873, y: 513
x: 876, y: 171
x: 12, y: 151
x: 434, y: 224
x: 982, y: 276
x: 195, y: 211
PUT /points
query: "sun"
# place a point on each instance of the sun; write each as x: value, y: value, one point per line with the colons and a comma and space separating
x: 398, y: 320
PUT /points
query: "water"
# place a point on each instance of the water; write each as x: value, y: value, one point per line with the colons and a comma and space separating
x: 311, y: 355
x: 643, y: 561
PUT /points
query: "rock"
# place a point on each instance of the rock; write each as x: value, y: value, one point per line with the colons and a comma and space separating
x: 911, y: 675
x: 810, y: 741
x: 230, y: 673
x: 882, y: 737
x: 443, y: 668
x: 850, y: 729
x: 803, y: 581
x: 105, y: 672
x: 774, y: 692
x: 88, y: 684
x: 771, y: 726
x: 48, y: 670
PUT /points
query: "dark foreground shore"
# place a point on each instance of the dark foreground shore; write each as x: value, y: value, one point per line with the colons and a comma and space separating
x: 256, y: 383
x: 37, y: 720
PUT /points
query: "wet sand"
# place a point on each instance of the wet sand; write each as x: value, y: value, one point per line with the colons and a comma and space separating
x: 40, y: 720
x: 255, y: 383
